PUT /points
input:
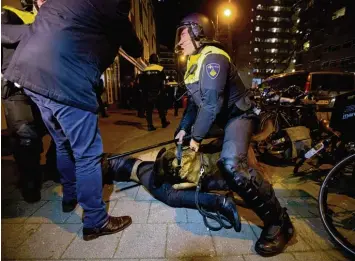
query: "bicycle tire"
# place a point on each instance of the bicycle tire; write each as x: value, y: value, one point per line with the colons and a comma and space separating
x: 337, y: 237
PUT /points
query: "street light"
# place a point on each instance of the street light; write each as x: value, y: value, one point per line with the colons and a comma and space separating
x: 227, y: 12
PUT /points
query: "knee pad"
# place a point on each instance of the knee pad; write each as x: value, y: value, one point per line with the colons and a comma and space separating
x: 252, y: 188
x: 235, y: 170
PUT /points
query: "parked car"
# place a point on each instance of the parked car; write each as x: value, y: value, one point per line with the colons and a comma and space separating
x: 321, y: 86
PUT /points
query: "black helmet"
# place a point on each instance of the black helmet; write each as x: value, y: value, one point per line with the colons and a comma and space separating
x: 154, y: 58
x: 200, y: 28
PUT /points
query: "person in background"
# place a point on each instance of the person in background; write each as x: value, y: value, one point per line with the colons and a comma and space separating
x: 152, y: 82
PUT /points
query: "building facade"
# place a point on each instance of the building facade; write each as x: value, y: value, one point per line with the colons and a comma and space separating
x: 167, y: 60
x: 272, y: 43
x: 143, y: 19
x: 326, y: 37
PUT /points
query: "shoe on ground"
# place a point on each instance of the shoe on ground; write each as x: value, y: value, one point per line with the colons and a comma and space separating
x: 274, y: 238
x: 113, y: 225
x: 31, y: 195
x: 151, y: 128
x: 165, y: 124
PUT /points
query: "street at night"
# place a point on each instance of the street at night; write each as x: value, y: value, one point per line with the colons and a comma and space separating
x: 177, y: 130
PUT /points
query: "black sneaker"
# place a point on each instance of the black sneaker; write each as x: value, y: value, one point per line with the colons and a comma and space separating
x: 69, y: 206
x: 31, y: 195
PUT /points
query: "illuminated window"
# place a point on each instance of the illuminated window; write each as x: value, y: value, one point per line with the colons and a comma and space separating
x: 257, y: 28
x: 339, y: 13
x: 257, y: 39
x: 294, y: 60
x: 258, y: 18
x: 259, y: 7
x: 306, y: 46
x: 252, y: 20
x: 276, y: 8
x: 298, y: 20
x: 256, y: 50
x: 275, y: 30
x: 276, y: 19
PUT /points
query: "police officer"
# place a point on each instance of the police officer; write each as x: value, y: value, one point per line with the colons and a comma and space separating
x: 217, y: 95
x: 22, y: 115
x: 152, y: 83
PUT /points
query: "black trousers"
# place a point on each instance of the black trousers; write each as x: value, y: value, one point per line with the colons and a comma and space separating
x: 157, y: 102
x: 178, y: 198
x: 27, y: 130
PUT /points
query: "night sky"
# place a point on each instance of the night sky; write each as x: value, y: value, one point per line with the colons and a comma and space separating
x: 170, y: 12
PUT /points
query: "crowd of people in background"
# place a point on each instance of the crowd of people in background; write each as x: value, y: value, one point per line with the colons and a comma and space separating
x: 132, y: 97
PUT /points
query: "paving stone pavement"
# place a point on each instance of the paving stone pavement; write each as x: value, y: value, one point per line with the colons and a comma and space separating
x: 41, y: 231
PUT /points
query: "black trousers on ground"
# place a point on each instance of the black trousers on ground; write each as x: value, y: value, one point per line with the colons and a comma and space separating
x: 178, y: 198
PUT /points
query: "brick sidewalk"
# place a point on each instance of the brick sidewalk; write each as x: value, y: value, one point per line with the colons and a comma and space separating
x: 41, y: 231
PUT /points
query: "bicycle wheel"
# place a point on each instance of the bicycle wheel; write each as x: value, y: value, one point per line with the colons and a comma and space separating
x: 337, y: 204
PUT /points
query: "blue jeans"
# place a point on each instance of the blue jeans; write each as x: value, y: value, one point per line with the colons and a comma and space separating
x: 79, y: 150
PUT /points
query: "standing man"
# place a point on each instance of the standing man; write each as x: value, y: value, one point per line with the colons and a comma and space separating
x: 152, y: 82
x: 217, y: 95
x: 73, y: 42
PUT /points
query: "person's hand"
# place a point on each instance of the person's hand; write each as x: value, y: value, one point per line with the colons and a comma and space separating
x: 180, y: 136
x: 194, y: 145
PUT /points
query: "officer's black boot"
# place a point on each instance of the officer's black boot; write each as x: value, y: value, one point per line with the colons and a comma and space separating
x: 151, y: 128
x: 259, y: 195
x: 27, y: 157
x: 165, y: 123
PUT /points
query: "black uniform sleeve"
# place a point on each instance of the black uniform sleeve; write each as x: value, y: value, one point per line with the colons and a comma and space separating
x: 213, y: 78
x: 12, y: 34
x: 189, y: 116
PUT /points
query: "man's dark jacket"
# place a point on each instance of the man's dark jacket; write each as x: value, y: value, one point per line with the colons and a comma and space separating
x: 70, y: 44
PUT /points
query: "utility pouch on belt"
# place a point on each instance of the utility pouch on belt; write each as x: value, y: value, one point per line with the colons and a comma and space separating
x: 6, y: 87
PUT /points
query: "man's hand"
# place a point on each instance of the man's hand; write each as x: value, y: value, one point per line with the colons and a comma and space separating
x: 194, y: 145
x: 180, y: 136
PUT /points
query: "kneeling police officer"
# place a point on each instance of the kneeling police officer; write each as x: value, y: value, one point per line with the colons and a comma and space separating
x: 217, y: 95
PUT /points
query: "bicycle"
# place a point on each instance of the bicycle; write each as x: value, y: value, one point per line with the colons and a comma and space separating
x: 336, y: 203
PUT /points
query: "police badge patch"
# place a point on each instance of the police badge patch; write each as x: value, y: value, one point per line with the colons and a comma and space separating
x: 212, y: 70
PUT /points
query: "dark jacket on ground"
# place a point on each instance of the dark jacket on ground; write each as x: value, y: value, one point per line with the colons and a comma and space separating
x: 69, y: 46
